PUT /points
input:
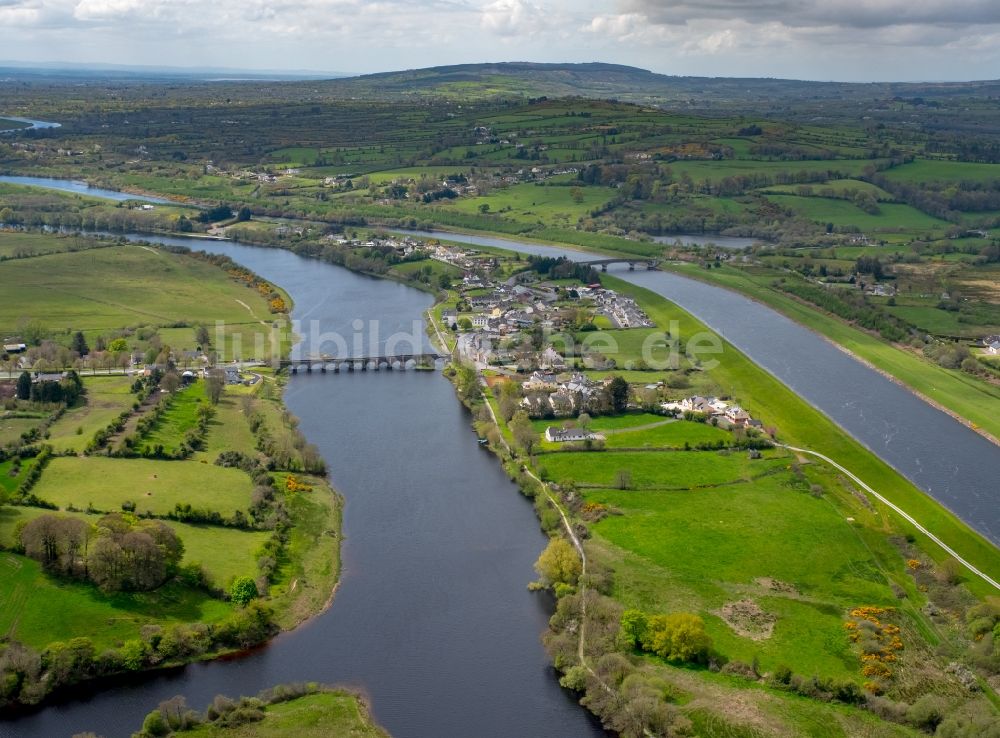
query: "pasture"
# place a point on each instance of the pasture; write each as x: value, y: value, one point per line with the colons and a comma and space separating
x: 103, y: 400
x: 104, y: 289
x: 670, y: 470
x: 155, y: 486
x: 37, y: 609
x: 939, y: 170
x: 724, y: 544
x: 531, y: 203
x: 891, y: 216
x: 223, y: 553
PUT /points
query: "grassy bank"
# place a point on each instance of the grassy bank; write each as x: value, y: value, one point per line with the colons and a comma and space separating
x: 801, y: 424
x: 293, y: 711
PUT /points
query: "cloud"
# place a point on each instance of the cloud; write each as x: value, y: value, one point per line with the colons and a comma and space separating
x: 794, y: 38
x: 511, y: 18
x: 844, y: 13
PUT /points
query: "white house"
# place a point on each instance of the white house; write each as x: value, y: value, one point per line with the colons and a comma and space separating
x: 570, y: 435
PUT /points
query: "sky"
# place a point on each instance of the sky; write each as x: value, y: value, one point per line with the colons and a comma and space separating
x: 849, y: 40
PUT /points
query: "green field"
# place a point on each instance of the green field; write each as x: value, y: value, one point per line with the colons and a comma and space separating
x: 38, y: 609
x: 101, y: 290
x: 9, y: 482
x: 669, y: 470
x: 700, y: 545
x: 608, y: 422
x: 12, y: 428
x: 154, y: 486
x: 531, y: 203
x: 714, y: 171
x: 671, y: 435
x: 177, y: 420
x: 892, y: 216
x: 313, y: 716
x: 936, y: 170
x: 223, y: 552
x: 104, y: 399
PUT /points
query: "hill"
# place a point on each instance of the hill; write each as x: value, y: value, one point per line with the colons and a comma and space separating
x: 599, y: 80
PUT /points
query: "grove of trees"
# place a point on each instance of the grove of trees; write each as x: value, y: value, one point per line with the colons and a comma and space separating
x: 119, y: 553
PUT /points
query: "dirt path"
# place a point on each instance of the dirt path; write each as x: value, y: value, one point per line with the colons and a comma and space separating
x: 252, y: 313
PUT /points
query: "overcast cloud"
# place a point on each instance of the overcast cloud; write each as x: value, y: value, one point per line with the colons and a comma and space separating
x: 805, y: 39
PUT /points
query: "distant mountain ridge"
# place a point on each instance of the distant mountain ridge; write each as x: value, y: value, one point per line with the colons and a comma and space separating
x: 602, y: 80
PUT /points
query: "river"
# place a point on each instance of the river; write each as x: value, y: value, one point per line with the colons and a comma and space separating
x: 432, y: 619
x: 952, y: 463
x: 34, y: 124
x: 78, y: 187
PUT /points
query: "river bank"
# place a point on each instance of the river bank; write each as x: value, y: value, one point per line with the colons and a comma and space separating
x: 436, y: 550
x: 628, y: 562
x: 221, y: 484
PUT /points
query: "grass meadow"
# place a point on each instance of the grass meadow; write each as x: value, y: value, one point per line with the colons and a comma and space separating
x: 313, y: 716
x: 154, y: 486
x: 38, y: 609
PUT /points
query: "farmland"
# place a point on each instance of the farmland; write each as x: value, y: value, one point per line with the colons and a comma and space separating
x: 223, y: 471
x: 104, y: 484
x: 731, y: 536
x: 876, y: 224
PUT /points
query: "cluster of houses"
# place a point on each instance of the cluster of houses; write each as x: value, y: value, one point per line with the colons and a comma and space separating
x: 498, y: 309
x: 727, y: 413
x: 545, y: 394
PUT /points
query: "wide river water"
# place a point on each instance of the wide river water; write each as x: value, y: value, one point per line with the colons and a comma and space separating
x: 432, y: 618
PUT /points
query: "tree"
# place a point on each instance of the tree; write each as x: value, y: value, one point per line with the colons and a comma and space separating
x: 170, y: 382
x: 118, y: 345
x: 559, y: 563
x: 508, y: 408
x: 243, y: 590
x: 623, y: 479
x: 524, y: 432
x: 633, y: 627
x: 618, y: 394
x: 24, y: 386
x: 584, y: 420
x: 79, y: 344
x: 202, y: 336
x: 465, y: 324
x: 679, y: 636
x: 215, y: 383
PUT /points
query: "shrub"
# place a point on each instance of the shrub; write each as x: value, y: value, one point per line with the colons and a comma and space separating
x: 243, y: 590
